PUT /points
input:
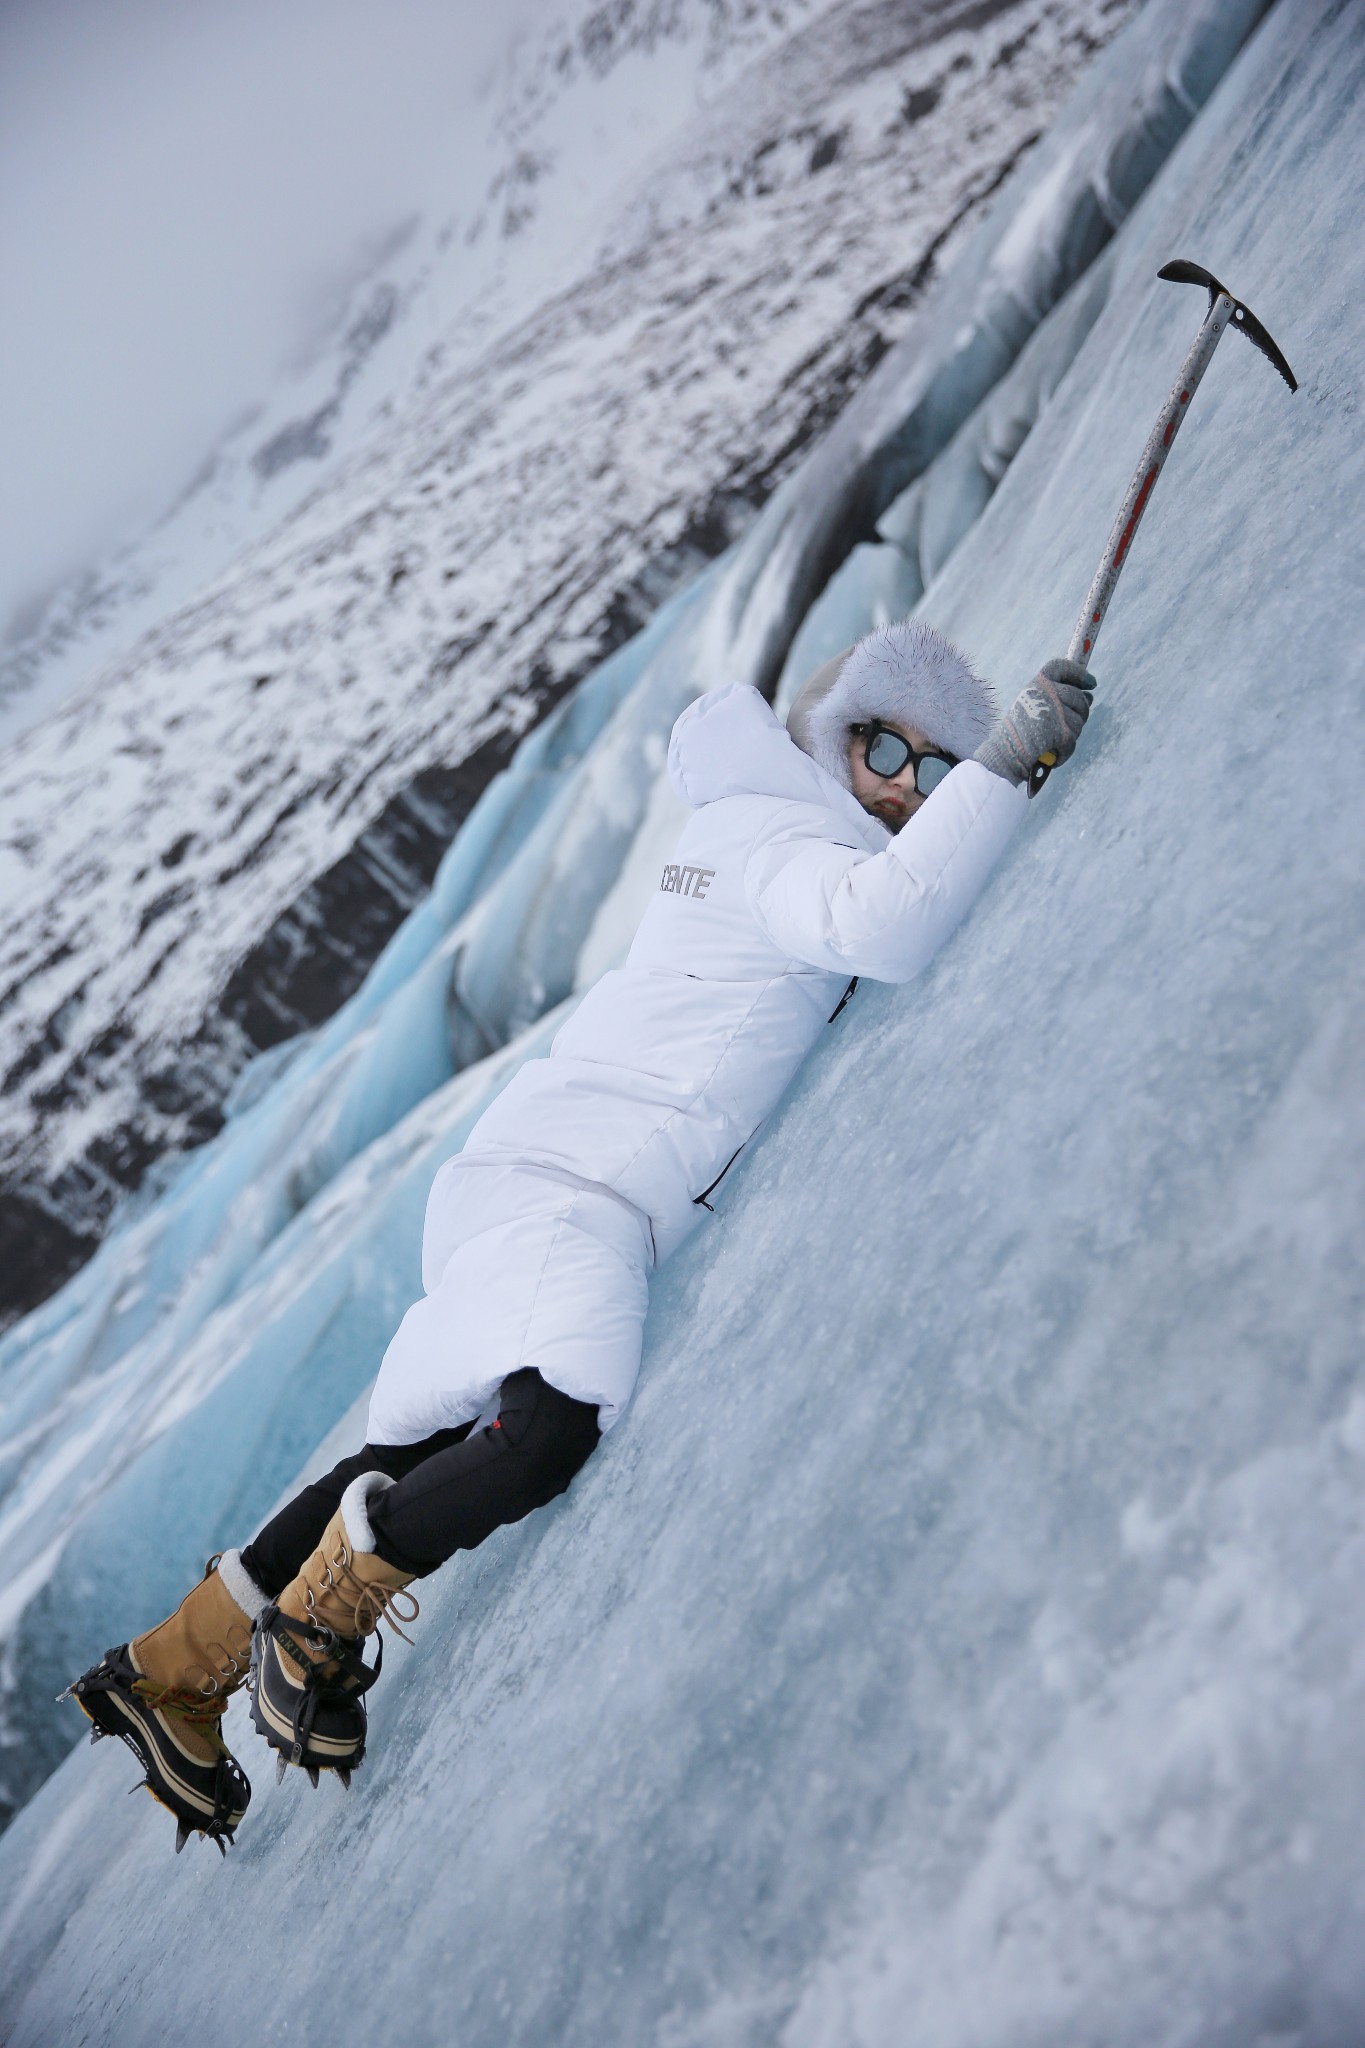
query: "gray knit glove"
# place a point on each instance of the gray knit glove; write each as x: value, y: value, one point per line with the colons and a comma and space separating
x: 1041, y: 727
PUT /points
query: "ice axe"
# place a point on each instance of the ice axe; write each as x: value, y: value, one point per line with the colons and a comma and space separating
x: 1224, y: 311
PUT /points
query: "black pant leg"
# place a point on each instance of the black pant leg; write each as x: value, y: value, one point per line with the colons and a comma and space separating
x: 274, y: 1556
x: 461, y: 1493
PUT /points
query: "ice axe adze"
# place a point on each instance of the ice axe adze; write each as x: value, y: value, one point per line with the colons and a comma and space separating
x: 1224, y: 311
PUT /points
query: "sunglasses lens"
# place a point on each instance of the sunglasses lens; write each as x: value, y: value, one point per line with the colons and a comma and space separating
x: 887, y: 753
x: 931, y: 772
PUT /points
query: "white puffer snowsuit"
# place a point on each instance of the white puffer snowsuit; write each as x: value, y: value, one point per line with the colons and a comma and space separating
x: 588, y: 1168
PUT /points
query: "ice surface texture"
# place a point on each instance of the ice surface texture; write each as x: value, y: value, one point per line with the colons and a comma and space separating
x: 959, y: 1640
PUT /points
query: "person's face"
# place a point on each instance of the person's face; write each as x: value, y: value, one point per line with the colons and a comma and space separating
x: 893, y: 798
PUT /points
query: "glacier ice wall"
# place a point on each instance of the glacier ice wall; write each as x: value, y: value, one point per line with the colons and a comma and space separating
x: 1085, y: 177
x: 919, y: 530
x: 538, y: 894
x: 960, y: 1640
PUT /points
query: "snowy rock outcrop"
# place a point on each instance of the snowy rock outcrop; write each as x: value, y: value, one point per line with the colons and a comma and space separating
x: 959, y: 1639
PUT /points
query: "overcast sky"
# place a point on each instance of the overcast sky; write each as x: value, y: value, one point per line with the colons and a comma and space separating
x: 184, y: 184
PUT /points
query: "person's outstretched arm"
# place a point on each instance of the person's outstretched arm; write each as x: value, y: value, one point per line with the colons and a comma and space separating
x: 885, y: 915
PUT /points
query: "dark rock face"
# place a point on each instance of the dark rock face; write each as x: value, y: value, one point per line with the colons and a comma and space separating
x: 41, y: 1249
x: 315, y: 955
x: 318, y: 952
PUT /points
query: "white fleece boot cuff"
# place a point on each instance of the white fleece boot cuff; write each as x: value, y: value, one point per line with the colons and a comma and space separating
x: 355, y: 1509
x: 241, y: 1585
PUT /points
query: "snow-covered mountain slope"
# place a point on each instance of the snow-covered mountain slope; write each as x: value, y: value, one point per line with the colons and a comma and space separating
x: 959, y: 1640
x: 705, y: 224
x: 535, y: 189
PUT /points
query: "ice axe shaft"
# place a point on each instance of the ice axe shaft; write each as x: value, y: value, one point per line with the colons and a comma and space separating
x: 1224, y: 311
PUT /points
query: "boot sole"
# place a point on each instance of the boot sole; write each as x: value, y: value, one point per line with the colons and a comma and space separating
x: 113, y: 1712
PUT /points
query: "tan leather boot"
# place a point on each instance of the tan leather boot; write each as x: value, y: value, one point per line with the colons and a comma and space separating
x: 164, y: 1694
x: 308, y: 1675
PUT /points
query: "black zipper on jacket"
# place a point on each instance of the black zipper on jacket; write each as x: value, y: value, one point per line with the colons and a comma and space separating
x: 843, y: 999
x: 700, y: 1200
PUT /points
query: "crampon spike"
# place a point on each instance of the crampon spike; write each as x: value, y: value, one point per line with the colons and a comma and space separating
x: 96, y: 1735
x: 344, y: 1776
x: 222, y: 1845
x: 281, y: 1766
x: 313, y: 1775
x: 182, y: 1835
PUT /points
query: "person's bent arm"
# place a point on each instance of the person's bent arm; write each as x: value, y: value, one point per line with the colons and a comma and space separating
x: 883, y: 915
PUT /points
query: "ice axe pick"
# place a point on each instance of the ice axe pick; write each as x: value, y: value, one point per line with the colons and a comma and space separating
x: 1224, y: 312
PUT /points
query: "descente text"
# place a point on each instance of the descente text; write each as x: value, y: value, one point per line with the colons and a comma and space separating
x: 686, y: 881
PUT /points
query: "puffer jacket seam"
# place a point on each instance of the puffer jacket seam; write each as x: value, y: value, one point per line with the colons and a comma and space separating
x: 683, y: 1108
x: 555, y: 1236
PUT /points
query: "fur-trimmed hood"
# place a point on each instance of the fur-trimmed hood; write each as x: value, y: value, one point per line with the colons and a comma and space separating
x: 728, y: 743
x: 905, y: 672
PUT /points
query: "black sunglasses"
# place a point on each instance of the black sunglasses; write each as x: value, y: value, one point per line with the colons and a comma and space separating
x: 886, y: 753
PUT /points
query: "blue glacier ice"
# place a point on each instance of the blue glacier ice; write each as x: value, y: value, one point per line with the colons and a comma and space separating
x: 960, y: 1640
x: 1045, y: 231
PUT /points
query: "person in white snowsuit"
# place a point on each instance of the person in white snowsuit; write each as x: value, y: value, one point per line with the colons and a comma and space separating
x: 850, y: 843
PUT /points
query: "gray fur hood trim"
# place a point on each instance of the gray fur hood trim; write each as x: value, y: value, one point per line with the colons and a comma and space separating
x: 905, y: 672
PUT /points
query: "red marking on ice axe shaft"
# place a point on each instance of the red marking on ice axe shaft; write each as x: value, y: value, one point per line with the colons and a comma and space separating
x: 1223, y: 311
x: 1148, y: 483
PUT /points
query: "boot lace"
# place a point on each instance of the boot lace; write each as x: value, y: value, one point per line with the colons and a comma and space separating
x: 369, y: 1605
x: 202, y: 1695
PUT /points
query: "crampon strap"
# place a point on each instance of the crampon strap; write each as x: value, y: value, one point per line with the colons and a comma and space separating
x: 352, y: 1676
